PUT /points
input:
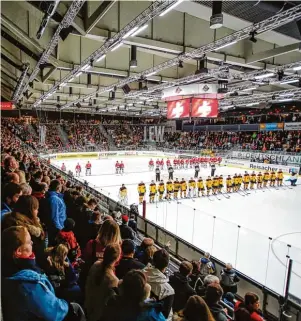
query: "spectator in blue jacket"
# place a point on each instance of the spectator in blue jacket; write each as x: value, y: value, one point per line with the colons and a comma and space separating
x: 57, y: 216
x: 26, y: 293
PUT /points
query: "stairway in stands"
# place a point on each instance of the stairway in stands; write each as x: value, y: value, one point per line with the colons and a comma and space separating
x: 63, y: 135
x: 104, y: 132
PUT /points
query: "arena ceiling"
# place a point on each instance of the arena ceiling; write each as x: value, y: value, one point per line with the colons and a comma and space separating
x: 49, y: 53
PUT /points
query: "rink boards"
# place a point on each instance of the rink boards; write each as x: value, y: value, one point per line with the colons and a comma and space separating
x: 237, y: 229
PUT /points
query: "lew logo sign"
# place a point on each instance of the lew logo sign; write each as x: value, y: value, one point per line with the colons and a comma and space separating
x: 154, y: 134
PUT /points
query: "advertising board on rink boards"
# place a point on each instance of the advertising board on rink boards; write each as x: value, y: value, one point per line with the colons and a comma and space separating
x: 77, y: 155
x: 260, y: 166
x: 279, y: 158
x: 271, y: 126
x: 292, y: 126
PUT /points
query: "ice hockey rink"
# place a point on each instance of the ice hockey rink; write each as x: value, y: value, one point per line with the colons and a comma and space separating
x: 256, y: 232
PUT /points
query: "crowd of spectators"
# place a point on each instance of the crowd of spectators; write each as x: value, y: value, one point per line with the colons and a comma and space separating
x: 86, y: 135
x: 83, y: 134
x: 63, y: 259
x: 126, y: 135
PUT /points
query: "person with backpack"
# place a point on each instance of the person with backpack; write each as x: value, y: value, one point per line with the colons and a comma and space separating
x: 229, y: 279
x: 207, y: 267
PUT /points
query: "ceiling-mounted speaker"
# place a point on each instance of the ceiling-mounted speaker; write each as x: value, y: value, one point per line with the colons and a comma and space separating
x: 126, y: 89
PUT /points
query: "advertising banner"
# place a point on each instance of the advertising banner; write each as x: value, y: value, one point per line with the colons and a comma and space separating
x: 6, y: 105
x: 272, y: 157
x: 272, y: 126
x: 204, y: 107
x: 292, y: 126
x: 178, y: 109
x: 272, y: 167
x: 189, y: 90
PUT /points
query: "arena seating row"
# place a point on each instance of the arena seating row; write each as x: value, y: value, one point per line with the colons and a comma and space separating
x: 52, y: 225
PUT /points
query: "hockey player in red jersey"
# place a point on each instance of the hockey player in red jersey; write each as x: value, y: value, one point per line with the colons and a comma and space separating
x: 182, y: 163
x: 158, y: 162
x: 63, y: 168
x: 121, y: 167
x: 186, y: 163
x: 175, y: 163
x: 168, y: 163
x: 151, y: 164
x: 78, y: 170
x: 117, y: 167
x: 161, y: 163
x: 88, y: 168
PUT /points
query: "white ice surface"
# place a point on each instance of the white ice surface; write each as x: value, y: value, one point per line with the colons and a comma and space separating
x: 260, y: 215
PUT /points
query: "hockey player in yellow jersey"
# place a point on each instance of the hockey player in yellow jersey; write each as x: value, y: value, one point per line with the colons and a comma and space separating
x: 209, y: 183
x: 252, y: 180
x: 152, y: 192
x: 192, y: 185
x: 141, y: 191
x: 279, y: 177
x: 259, y: 180
x: 215, y: 184
x: 266, y: 178
x: 272, y: 179
x: 176, y: 187
x: 200, y: 185
x: 246, y: 180
x: 161, y: 189
x: 123, y: 194
x: 169, y: 189
x: 235, y: 182
x: 220, y: 183
x: 183, y: 188
x: 229, y: 184
x: 239, y: 181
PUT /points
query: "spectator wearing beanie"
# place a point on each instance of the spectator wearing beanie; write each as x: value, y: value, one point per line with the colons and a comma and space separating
x: 229, y: 279
x: 127, y: 262
x: 125, y: 231
x: 67, y: 236
x: 57, y: 217
x: 162, y: 291
x: 133, y: 301
x: 214, y: 293
x: 251, y: 306
x: 180, y: 283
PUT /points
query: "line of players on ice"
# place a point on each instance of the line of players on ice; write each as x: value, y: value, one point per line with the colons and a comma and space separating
x: 119, y: 167
x: 183, y: 163
x: 176, y: 188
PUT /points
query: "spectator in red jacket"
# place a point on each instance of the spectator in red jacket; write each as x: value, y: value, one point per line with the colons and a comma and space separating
x: 250, y: 305
x: 67, y: 237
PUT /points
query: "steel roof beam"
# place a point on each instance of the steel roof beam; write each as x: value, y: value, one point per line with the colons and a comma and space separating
x: 260, y: 27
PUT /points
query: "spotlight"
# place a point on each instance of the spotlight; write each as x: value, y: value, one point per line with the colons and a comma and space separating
x: 133, y: 62
x: 216, y: 20
x: 180, y: 64
x: 253, y: 34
